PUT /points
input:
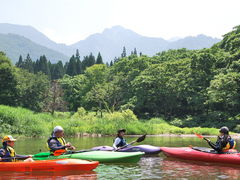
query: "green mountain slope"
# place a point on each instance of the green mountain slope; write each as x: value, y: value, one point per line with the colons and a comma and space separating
x: 14, y: 45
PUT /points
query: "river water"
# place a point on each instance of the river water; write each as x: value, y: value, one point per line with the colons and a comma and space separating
x: 154, y: 167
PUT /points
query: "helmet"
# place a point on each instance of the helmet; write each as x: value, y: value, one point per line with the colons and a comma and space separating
x: 57, y: 129
x: 121, y: 130
x: 224, y: 130
x: 8, y: 138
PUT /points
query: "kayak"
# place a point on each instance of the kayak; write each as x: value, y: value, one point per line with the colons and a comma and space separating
x: 147, y: 149
x: 101, y: 156
x: 202, y: 154
x: 50, y: 165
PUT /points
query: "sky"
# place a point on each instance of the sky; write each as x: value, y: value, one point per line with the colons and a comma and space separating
x: 68, y: 21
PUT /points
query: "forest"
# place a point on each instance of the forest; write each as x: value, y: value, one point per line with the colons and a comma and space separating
x: 185, y: 88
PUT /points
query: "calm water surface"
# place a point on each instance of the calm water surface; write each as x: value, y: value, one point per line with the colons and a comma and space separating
x: 155, y: 167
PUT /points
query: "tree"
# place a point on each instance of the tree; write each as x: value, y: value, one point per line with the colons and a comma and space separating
x: 79, y: 66
x: 19, y: 64
x: 135, y: 51
x: 72, y: 67
x: 7, y: 81
x: 44, y: 66
x: 99, y: 59
x: 124, y: 53
x: 31, y: 89
x: 54, y: 100
x: 57, y: 70
x: 28, y: 64
x: 111, y: 63
x: 224, y: 92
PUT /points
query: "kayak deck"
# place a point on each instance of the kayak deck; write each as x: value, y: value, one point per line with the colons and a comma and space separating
x: 188, y: 153
x: 147, y: 149
x: 50, y: 165
x: 101, y: 156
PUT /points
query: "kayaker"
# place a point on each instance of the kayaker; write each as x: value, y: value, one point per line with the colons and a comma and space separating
x: 7, y: 152
x: 119, y: 140
x: 57, y: 142
x: 224, y: 141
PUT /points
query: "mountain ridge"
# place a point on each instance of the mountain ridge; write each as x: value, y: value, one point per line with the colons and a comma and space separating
x: 109, y: 42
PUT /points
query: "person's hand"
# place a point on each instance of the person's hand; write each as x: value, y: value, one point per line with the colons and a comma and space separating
x: 0, y: 159
x: 72, y: 148
x: 68, y: 145
x: 30, y: 156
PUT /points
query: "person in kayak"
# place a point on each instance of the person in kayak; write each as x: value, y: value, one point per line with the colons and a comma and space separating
x: 119, y: 140
x: 57, y: 142
x: 7, y: 152
x: 224, y: 141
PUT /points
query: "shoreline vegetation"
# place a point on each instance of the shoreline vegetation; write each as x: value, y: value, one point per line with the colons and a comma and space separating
x: 21, y: 121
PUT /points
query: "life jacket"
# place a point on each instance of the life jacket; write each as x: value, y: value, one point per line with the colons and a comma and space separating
x: 122, y: 142
x: 60, y: 142
x: 231, y: 144
x: 9, y: 153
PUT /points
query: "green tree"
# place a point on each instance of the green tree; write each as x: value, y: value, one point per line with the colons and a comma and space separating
x: 20, y: 62
x: 31, y: 89
x: 44, y: 66
x: 124, y: 53
x: 224, y: 92
x: 99, y: 59
x: 7, y: 81
x: 72, y: 67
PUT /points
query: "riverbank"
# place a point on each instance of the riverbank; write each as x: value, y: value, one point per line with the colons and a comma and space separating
x: 20, y: 121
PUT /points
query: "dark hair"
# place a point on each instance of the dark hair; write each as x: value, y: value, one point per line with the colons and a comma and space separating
x: 119, y: 131
x: 4, y: 144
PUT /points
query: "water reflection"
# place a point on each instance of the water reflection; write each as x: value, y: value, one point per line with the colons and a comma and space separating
x: 62, y: 175
x: 174, y: 169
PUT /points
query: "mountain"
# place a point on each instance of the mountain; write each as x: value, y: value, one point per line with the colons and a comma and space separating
x: 36, y: 36
x: 14, y: 45
x: 110, y: 42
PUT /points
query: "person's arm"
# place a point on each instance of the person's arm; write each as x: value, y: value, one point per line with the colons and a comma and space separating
x: 53, y: 145
x: 216, y: 146
x: 116, y: 142
x: 2, y: 153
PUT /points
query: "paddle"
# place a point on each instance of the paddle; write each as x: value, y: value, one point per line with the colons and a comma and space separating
x: 140, y: 139
x: 201, y: 137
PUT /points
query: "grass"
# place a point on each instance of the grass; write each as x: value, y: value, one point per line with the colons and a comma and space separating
x: 17, y: 120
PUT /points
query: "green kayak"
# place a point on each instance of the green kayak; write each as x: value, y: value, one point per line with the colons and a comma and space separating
x: 101, y: 156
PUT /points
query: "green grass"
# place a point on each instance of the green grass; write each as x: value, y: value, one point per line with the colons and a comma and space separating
x: 17, y: 120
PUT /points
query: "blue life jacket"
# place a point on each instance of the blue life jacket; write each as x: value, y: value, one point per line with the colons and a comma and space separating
x: 8, y: 153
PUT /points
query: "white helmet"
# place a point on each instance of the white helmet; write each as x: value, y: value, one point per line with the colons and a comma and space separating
x: 57, y: 129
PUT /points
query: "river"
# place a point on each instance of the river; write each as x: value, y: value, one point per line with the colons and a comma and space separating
x: 154, y: 167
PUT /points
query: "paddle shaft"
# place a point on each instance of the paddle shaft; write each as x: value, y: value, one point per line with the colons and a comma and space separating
x: 13, y: 158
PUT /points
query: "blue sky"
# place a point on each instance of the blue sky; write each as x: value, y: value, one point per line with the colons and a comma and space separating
x: 68, y: 21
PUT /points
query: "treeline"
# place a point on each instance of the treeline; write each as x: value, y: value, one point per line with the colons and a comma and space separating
x: 73, y: 67
x: 185, y: 87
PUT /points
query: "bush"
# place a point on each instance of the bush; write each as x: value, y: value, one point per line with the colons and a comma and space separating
x: 25, y: 122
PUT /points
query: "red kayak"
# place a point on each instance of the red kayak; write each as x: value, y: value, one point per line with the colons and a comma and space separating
x: 50, y: 165
x: 202, y: 154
